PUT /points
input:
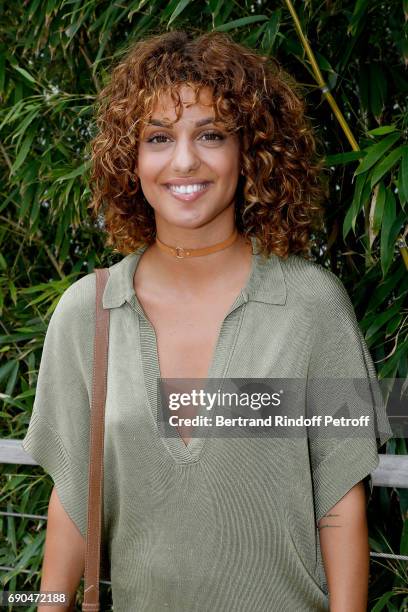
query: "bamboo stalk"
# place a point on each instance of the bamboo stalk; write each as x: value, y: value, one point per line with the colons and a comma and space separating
x: 339, y: 115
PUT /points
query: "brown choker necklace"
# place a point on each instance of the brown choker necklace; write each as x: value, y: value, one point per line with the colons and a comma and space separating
x: 180, y: 252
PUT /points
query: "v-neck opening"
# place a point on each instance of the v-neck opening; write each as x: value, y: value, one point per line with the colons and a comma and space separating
x: 226, y: 339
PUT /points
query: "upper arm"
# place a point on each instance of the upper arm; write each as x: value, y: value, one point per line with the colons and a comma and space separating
x: 58, y: 433
x: 349, y: 510
x: 342, y: 384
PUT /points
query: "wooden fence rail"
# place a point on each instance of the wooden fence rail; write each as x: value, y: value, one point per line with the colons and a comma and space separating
x: 392, y: 470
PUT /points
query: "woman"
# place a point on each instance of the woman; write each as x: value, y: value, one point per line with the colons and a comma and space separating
x: 210, y: 190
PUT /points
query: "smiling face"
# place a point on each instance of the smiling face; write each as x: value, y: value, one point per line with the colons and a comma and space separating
x: 197, y: 153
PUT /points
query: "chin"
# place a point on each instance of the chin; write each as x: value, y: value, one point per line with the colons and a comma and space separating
x: 186, y: 221
x: 190, y: 224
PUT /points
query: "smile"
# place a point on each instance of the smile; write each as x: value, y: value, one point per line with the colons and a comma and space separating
x: 188, y: 193
x: 188, y: 188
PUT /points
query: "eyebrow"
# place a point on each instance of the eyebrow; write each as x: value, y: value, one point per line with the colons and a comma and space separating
x: 198, y: 123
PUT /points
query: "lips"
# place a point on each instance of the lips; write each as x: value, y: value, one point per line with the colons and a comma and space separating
x: 189, y: 181
x: 189, y: 196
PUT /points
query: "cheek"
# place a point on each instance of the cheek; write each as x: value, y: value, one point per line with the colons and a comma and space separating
x: 149, y: 164
x: 226, y: 161
x: 228, y: 172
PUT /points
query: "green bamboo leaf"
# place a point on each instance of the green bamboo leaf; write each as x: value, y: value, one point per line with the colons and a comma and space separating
x: 239, y: 23
x: 34, y: 213
x: 51, y: 7
x: 376, y: 212
x: 359, y: 13
x: 364, y: 88
x: 214, y: 6
x: 11, y: 531
x: 79, y: 171
x: 67, y: 190
x: 389, y: 369
x: 33, y: 8
x: 13, y: 291
x: 105, y: 20
x: 66, y: 244
x: 382, y: 130
x: 404, y: 539
x: 344, y: 158
x: 24, y: 73
x: 378, y: 89
x: 375, y: 152
x: 347, y: 223
x: 58, y: 286
x: 356, y: 205
x: 388, y: 221
x: 64, y: 150
x: 103, y: 42
x: 404, y: 172
x: 271, y: 31
x: 15, y: 113
x: 27, y: 195
x: 7, y: 368
x: 2, y: 68
x: 18, y: 92
x: 24, y: 149
x: 390, y: 229
x: 385, y: 165
x: 384, y: 289
x: 17, y: 337
x: 393, y: 325
x: 383, y: 601
x: 30, y: 551
x: 252, y: 39
x: 19, y: 133
x: 324, y: 63
x: 400, y: 188
x: 44, y: 297
x: 383, y: 318
x: 11, y: 382
x: 379, y: 208
x: 178, y: 10
x: 26, y: 394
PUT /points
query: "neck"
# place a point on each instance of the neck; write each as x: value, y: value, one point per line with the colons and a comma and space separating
x: 182, y: 252
x: 203, y: 270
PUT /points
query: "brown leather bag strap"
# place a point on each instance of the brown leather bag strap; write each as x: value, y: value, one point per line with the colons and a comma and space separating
x: 95, y: 472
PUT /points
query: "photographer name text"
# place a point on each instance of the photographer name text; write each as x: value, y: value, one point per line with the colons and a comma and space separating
x: 270, y: 421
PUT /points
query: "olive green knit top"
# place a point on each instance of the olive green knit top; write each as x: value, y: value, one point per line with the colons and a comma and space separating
x: 224, y: 524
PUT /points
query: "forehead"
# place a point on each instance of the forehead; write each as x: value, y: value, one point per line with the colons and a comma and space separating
x: 166, y: 107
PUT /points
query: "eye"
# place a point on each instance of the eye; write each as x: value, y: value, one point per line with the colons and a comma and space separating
x: 212, y: 136
x: 152, y: 138
x: 215, y: 134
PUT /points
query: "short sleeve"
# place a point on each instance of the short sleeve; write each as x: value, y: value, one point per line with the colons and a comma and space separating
x: 58, y: 432
x: 342, y: 384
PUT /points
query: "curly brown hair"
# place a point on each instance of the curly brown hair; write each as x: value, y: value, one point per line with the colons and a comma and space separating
x: 279, y: 196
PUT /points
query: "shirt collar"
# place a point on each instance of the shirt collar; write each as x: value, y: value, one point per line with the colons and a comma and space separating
x: 265, y: 284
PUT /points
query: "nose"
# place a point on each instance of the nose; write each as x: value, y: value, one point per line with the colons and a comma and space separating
x: 185, y: 158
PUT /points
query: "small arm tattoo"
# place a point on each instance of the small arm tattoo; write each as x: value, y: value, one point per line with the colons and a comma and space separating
x: 329, y: 515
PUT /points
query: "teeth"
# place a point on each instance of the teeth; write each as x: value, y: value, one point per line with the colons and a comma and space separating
x: 187, y: 188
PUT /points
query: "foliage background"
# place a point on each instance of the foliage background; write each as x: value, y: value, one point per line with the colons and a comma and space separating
x: 54, y: 56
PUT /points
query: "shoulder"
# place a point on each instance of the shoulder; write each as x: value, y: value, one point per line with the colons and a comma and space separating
x: 77, y: 303
x: 310, y: 282
x: 71, y: 330
x: 76, y: 307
